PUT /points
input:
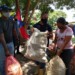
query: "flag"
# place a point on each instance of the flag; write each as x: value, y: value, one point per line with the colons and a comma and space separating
x: 21, y: 25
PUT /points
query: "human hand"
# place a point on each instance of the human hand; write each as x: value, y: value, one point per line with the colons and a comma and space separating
x: 7, y: 53
x: 59, y: 52
x: 32, y: 30
x: 51, y: 47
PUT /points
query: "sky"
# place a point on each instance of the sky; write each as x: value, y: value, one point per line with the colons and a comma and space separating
x: 69, y: 13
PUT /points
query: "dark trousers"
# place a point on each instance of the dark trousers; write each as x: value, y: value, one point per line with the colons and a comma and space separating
x: 66, y: 56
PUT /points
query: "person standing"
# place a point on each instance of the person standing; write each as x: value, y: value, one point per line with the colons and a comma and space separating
x: 63, y: 42
x: 7, y: 30
x: 43, y: 26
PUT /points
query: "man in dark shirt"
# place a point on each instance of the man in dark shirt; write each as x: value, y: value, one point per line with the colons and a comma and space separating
x: 43, y: 26
x: 7, y: 30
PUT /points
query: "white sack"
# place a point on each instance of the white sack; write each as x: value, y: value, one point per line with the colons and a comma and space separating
x: 36, y: 46
x: 56, y: 66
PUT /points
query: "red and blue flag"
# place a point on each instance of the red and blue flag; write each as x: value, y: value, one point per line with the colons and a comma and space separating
x: 21, y: 24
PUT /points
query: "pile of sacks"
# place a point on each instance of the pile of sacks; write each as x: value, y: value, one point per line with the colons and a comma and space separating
x: 36, y: 50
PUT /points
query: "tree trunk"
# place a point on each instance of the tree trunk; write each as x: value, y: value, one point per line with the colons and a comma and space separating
x: 26, y: 13
x: 17, y: 4
x: 26, y: 17
x: 33, y: 10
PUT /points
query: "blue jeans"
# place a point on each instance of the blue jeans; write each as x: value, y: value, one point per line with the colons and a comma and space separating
x: 66, y: 56
x: 2, y: 56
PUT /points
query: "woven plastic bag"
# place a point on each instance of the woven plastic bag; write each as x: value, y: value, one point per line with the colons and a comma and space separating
x: 55, y: 66
x: 12, y: 66
x: 36, y: 46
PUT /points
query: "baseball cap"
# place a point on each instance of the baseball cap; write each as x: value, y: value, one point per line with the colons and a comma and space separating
x: 5, y: 8
x: 61, y: 20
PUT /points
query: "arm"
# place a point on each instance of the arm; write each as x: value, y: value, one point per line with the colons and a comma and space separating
x: 66, y: 41
x: 55, y: 39
x: 53, y: 45
x: 68, y: 37
x: 32, y: 29
x: 50, y: 34
x: 2, y: 40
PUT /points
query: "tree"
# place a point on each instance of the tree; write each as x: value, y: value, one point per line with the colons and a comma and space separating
x: 26, y: 19
x: 7, y: 2
x: 67, y: 3
x: 54, y: 16
x: 44, y: 5
x: 27, y: 16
